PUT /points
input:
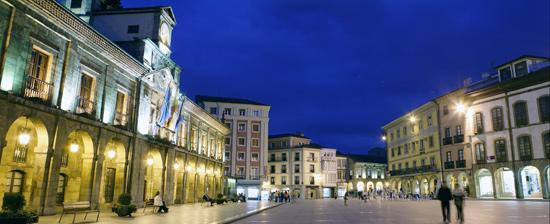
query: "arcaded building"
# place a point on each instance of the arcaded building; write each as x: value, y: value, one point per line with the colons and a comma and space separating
x: 89, y: 113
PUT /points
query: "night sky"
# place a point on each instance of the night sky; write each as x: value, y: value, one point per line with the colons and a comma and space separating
x: 339, y: 70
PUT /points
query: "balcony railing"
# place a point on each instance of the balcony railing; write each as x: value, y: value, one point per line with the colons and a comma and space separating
x: 38, y: 89
x: 422, y: 169
x: 85, y: 106
x: 458, y: 139
x: 526, y: 157
x: 449, y: 165
x: 311, y: 159
x: 460, y: 164
x: 121, y: 119
x: 447, y: 140
x: 254, y: 177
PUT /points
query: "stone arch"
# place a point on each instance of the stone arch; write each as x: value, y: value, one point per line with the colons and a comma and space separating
x: 504, y: 183
x: 451, y: 181
x: 370, y: 186
x: 76, y: 160
x: 546, y: 178
x: 25, y: 151
x: 415, y: 186
x: 178, y: 173
x: 484, y: 183
x: 154, y: 169
x: 379, y: 186
x: 114, y: 164
x: 360, y: 186
x: 530, y: 182
x: 425, y: 186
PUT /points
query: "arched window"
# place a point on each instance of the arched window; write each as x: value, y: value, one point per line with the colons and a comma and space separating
x: 14, y: 181
x: 524, y: 147
x: 546, y: 144
x: 500, y: 150
x: 498, y: 119
x: 544, y: 108
x: 480, y: 153
x: 520, y: 114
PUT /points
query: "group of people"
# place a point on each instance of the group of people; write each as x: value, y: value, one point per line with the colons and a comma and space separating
x: 445, y: 196
x: 283, y: 196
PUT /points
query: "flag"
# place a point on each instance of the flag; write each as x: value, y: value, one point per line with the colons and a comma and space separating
x: 181, y: 118
x: 165, y: 108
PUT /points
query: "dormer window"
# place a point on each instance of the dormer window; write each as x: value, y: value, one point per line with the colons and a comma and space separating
x: 133, y: 29
x: 505, y: 73
x: 521, y: 69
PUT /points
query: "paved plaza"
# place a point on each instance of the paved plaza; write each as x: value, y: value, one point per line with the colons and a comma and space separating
x: 333, y: 211
x: 179, y: 214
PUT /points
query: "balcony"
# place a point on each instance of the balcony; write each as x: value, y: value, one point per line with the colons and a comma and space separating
x: 422, y: 169
x: 85, y: 106
x: 449, y: 165
x: 460, y: 164
x: 37, y: 89
x: 447, y: 141
x: 458, y: 139
x: 311, y: 159
x: 121, y: 119
x: 254, y: 177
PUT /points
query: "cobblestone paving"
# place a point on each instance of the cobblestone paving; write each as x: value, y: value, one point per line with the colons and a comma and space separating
x: 334, y: 211
x: 179, y: 214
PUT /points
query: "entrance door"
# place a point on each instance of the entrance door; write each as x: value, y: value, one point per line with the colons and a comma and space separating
x: 109, y: 184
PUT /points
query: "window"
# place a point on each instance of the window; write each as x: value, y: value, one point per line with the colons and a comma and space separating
x: 65, y: 159
x: 254, y: 156
x: 20, y: 153
x: 445, y: 110
x: 480, y: 152
x: 109, y: 184
x: 429, y: 120
x: 422, y: 162
x: 414, y: 164
x: 254, y: 173
x: 255, y: 142
x: 404, y: 131
x: 256, y: 128
x: 121, y: 108
x: 242, y: 141
x: 283, y: 156
x: 227, y: 111
x: 283, y: 168
x: 398, y: 150
x: 431, y: 141
x: 37, y: 83
x: 449, y: 156
x: 460, y: 154
x: 240, y: 156
x: 61, y: 186
x: 478, y: 123
x: 421, y: 145
x: 227, y: 141
x: 458, y: 130
x: 283, y: 144
x: 406, y: 167
x: 256, y: 113
x: 406, y: 148
x: 229, y: 125
x: 391, y: 137
x: 505, y: 73
x: 240, y: 172
x: 86, y: 103
x: 133, y: 29
x: 393, y: 152
x: 521, y: 68
x: 227, y: 156
x: 272, y: 169
x: 14, y: 181
x: 241, y: 127
x: 296, y: 180
x: 546, y: 144
x: 312, y: 168
x: 312, y: 180
x: 447, y: 132
x: 420, y: 124
x: 520, y: 114
x: 283, y: 180
x: 524, y: 147
x: 226, y: 171
x: 296, y: 156
x: 272, y: 180
x: 398, y: 133
x: 242, y: 112
x: 544, y: 108
x: 432, y: 162
x: 498, y: 120
x: 296, y: 168
x: 76, y: 4
x: 500, y: 150
x: 213, y: 110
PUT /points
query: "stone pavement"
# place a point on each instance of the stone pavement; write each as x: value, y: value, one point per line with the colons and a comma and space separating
x: 180, y: 214
x: 334, y: 211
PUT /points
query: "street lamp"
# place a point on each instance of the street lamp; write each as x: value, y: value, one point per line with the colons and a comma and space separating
x: 176, y: 166
x: 460, y: 108
x: 74, y: 147
x: 189, y: 168
x: 383, y: 138
x: 412, y: 119
x: 24, y: 137
x: 150, y: 161
x: 111, y: 153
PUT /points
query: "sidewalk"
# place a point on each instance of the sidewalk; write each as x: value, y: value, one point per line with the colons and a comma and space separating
x: 188, y: 213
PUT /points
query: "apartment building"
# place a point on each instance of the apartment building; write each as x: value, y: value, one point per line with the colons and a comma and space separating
x: 246, y: 148
x: 329, y: 172
x: 342, y: 174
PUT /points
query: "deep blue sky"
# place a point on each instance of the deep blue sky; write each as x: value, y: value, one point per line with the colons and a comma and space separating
x: 340, y: 70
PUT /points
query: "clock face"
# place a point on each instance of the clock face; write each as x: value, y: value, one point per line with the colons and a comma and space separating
x: 164, y: 33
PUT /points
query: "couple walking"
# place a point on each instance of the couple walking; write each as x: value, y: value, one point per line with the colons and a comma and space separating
x: 445, y: 196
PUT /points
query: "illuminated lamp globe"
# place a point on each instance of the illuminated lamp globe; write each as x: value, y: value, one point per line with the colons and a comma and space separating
x: 176, y: 166
x: 412, y: 119
x: 150, y: 161
x: 24, y: 138
x: 111, y: 154
x: 460, y: 108
x: 74, y: 147
x: 383, y: 138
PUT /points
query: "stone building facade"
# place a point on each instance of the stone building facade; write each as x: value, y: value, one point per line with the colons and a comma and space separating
x: 367, y: 174
x: 83, y: 119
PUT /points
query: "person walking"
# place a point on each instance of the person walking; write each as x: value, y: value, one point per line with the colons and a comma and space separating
x: 157, y: 201
x: 346, y: 199
x: 445, y: 196
x: 458, y: 196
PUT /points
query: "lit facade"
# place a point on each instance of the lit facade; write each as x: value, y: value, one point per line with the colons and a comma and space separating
x: 82, y: 119
x: 367, y: 174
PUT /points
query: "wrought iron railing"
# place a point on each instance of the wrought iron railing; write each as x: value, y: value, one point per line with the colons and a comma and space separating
x: 458, y: 139
x: 449, y: 165
x: 37, y: 89
x: 460, y: 163
x: 121, y: 119
x: 447, y: 140
x: 85, y: 106
x: 20, y: 153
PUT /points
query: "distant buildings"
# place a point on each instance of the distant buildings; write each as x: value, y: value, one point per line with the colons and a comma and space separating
x: 246, y: 148
x: 491, y: 137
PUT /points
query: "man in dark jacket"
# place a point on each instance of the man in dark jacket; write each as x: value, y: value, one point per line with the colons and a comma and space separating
x: 444, y: 195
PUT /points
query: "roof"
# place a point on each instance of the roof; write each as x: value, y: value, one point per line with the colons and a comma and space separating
x: 200, y: 98
x: 366, y: 158
x: 137, y: 10
x: 521, y: 57
x: 296, y: 135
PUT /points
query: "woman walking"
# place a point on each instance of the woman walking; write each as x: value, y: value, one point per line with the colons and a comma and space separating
x: 458, y: 195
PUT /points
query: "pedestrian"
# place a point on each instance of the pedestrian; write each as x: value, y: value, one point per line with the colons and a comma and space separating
x: 445, y: 196
x: 157, y: 201
x: 346, y: 199
x: 458, y: 196
x: 286, y: 197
